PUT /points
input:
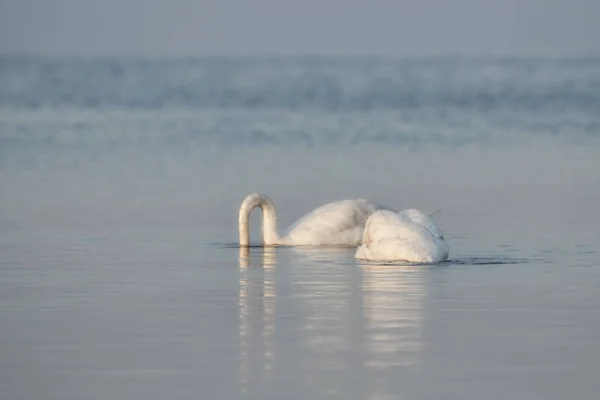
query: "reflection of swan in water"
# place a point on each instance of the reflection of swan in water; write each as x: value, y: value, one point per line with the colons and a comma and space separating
x: 322, y: 254
x: 269, y: 257
x: 335, y: 324
x: 338, y: 223
x: 257, y: 318
x: 361, y: 323
x: 392, y: 315
x: 408, y: 235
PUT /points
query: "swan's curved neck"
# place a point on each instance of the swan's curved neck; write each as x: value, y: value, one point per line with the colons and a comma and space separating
x: 269, y: 222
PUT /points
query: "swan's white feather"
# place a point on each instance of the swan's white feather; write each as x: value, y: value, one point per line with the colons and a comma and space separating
x: 408, y: 235
x: 338, y: 223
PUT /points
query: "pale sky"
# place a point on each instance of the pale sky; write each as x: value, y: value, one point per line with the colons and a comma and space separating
x: 389, y: 27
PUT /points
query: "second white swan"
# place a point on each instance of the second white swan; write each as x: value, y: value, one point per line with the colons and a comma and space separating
x: 339, y: 223
x: 408, y: 235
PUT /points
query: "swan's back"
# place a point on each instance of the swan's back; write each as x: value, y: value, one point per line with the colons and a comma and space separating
x: 338, y: 223
x: 416, y: 217
x: 408, y: 235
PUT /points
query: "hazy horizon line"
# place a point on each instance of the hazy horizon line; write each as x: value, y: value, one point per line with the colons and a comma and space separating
x: 258, y: 55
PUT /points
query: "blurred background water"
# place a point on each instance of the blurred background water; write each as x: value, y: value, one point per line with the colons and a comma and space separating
x: 120, y: 182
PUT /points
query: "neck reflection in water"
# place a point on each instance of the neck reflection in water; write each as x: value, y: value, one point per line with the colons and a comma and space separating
x: 339, y: 329
x: 257, y: 318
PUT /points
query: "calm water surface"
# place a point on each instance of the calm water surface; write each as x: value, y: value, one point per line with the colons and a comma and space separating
x: 120, y: 182
x: 146, y: 314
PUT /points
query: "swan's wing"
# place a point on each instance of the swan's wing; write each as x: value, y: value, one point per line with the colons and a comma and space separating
x: 402, y: 236
x: 386, y: 225
x: 379, y: 206
x: 417, y: 217
x: 340, y: 223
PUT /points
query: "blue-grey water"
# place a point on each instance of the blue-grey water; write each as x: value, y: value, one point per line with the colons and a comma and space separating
x: 120, y: 182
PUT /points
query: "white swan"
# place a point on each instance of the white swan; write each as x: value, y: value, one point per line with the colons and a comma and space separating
x: 408, y: 235
x: 338, y: 223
